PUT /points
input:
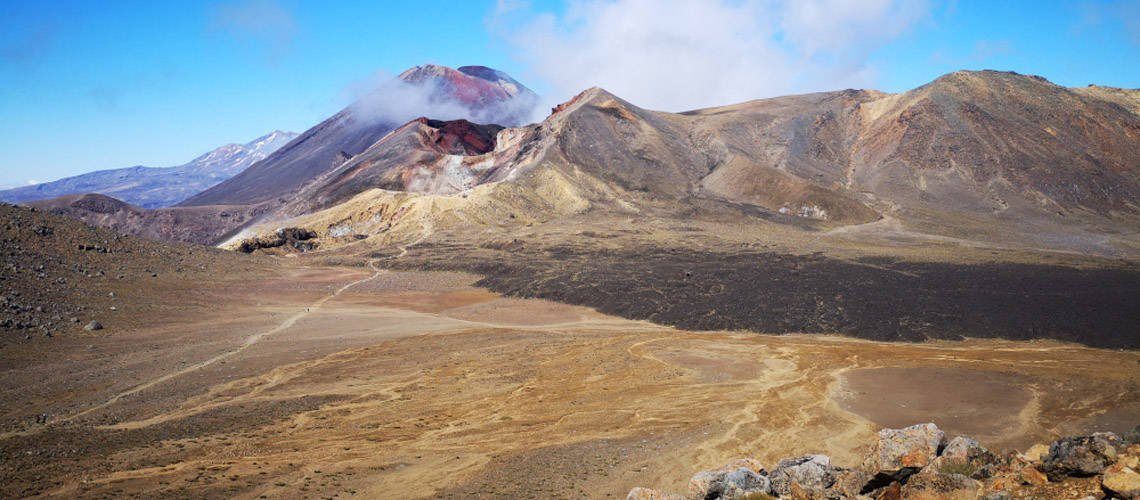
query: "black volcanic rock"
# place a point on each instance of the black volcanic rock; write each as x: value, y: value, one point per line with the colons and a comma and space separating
x: 1080, y: 456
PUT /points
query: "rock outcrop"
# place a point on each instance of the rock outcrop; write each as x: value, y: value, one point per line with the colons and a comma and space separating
x: 734, y: 479
x: 918, y: 462
x: 968, y: 456
x: 900, y: 453
x: 811, y: 474
x: 1122, y: 481
x: 1080, y: 456
x: 295, y: 238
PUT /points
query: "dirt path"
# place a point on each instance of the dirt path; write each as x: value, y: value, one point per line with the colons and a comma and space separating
x: 252, y: 339
x: 249, y: 341
x: 357, y: 397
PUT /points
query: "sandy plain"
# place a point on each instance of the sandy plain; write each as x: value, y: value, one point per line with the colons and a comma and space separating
x: 337, y: 381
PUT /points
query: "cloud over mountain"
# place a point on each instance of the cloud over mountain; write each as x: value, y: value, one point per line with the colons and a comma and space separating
x: 675, y: 55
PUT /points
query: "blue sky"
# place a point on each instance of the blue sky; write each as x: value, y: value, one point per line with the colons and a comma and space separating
x: 108, y: 84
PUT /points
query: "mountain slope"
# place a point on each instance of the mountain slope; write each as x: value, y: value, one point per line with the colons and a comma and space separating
x: 474, y: 92
x: 987, y: 142
x: 979, y: 158
x: 850, y: 212
x: 963, y: 155
x: 990, y: 157
x: 203, y: 225
x: 426, y: 156
x: 149, y: 187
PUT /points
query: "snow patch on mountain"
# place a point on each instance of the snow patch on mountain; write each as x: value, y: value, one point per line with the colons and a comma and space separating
x: 150, y: 187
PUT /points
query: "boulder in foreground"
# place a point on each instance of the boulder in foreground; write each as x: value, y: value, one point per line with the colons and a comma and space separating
x: 1080, y: 456
x: 918, y: 462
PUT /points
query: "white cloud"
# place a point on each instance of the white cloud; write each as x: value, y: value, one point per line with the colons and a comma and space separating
x: 847, y: 26
x: 264, y: 21
x: 1098, y: 15
x: 385, y: 98
x: 680, y: 54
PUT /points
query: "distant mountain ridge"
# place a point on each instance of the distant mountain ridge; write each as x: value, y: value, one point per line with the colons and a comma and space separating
x: 979, y: 155
x: 476, y: 93
x: 986, y: 157
x: 154, y: 187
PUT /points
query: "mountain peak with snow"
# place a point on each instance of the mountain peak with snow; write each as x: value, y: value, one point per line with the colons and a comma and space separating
x: 271, y: 142
x: 150, y: 187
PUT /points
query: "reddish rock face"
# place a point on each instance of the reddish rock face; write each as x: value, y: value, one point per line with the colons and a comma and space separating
x: 464, y: 88
x: 482, y: 94
x: 556, y: 109
x: 901, y: 451
x: 462, y: 136
x: 477, y: 87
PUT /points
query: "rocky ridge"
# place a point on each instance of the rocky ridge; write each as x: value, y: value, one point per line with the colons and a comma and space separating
x: 983, y: 156
x: 920, y: 462
x: 149, y: 187
x: 989, y: 157
x: 174, y: 224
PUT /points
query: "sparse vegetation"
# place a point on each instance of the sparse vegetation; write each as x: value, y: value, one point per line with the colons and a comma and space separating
x: 962, y: 467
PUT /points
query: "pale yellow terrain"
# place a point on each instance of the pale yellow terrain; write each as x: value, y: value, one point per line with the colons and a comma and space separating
x: 334, y: 381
